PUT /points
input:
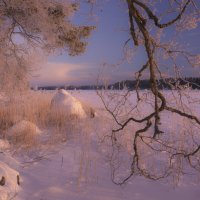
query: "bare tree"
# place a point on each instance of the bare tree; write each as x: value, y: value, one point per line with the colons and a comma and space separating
x: 32, y: 26
x: 150, y: 139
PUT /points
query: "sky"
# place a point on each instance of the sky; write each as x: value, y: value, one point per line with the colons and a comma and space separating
x: 104, y: 58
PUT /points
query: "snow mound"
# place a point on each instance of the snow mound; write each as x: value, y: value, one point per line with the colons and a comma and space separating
x: 23, y: 126
x: 8, y: 182
x: 63, y: 101
x: 22, y: 131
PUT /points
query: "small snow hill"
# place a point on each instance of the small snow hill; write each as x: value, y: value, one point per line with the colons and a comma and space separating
x: 64, y: 101
x: 24, y: 131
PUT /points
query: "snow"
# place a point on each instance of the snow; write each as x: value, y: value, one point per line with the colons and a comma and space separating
x: 23, y: 133
x: 23, y: 127
x: 69, y: 174
x: 64, y: 101
x: 11, y: 188
x: 78, y: 169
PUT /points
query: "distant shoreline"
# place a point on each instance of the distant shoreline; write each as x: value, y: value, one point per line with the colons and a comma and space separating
x: 163, y: 84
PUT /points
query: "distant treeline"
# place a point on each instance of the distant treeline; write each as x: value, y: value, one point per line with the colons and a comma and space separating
x: 165, y: 84
x: 71, y: 87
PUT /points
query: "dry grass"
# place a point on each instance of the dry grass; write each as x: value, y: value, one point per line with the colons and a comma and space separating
x: 36, y: 108
x: 25, y: 138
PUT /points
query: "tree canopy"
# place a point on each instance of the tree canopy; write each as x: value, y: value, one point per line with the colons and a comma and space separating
x: 36, y: 25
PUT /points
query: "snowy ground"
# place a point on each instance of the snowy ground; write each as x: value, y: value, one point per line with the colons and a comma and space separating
x: 77, y: 168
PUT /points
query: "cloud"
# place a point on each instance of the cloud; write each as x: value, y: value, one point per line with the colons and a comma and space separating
x: 52, y: 73
x: 56, y: 73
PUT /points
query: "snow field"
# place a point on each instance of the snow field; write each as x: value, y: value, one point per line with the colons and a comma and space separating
x: 74, y: 163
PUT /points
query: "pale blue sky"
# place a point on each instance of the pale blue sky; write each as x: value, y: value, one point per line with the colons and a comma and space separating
x: 105, y: 46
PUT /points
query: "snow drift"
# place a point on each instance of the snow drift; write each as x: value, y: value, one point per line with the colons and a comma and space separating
x: 8, y: 182
x: 22, y: 131
x: 65, y: 102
